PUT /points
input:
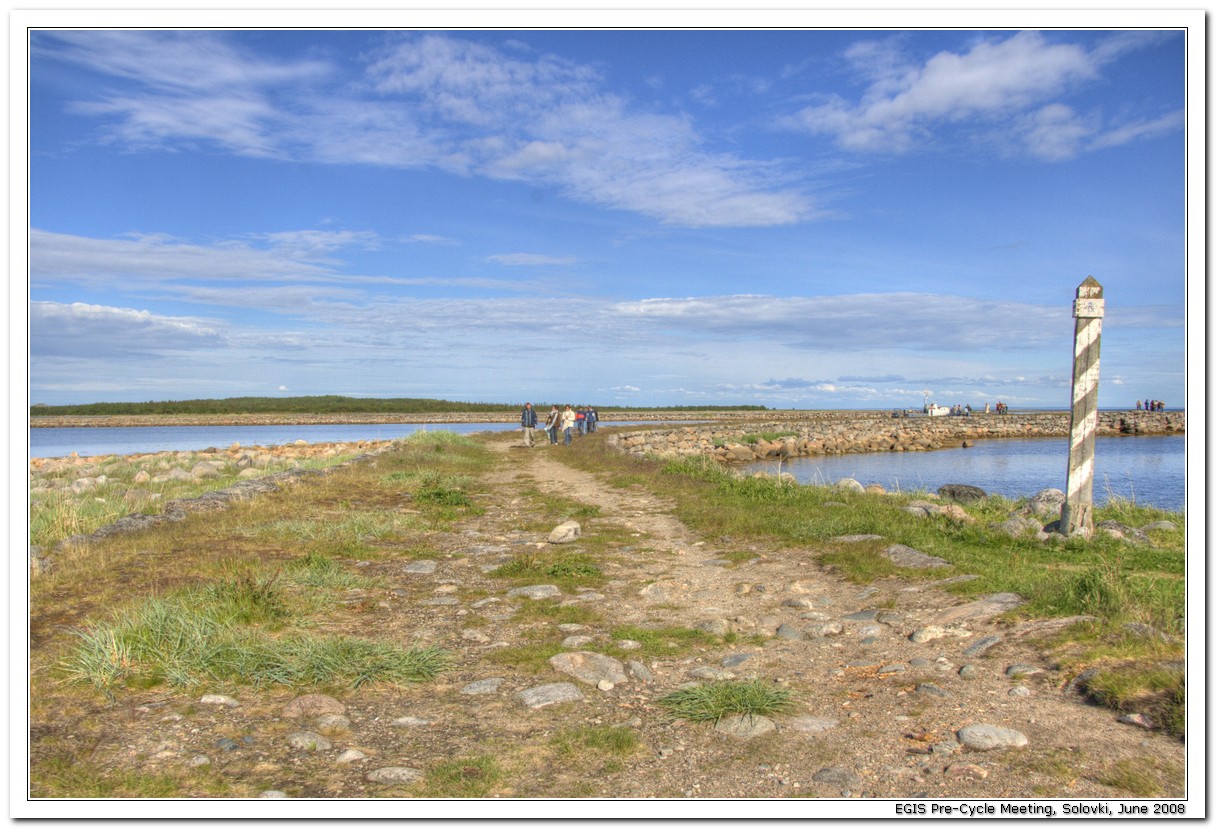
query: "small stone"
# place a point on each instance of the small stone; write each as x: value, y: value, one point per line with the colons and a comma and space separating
x: 969, y: 771
x: 273, y: 794
x: 801, y: 602
x: 746, y: 726
x: 483, y: 686
x: 903, y: 556
x: 200, y: 760
x: 308, y: 741
x: 410, y: 722
x: 541, y: 696
x: 811, y: 725
x: 837, y: 776
x: 333, y: 721
x: 589, y: 667
x: 535, y: 591
x: 605, y: 685
x: 931, y: 689
x: 711, y: 673
x: 422, y: 566
x: 350, y: 755
x: 395, y: 774
x: 920, y: 662
x: 822, y: 630
x: 312, y: 705
x: 788, y: 632
x: 968, y: 671
x: 1019, y: 691
x: 565, y: 533
x: 893, y: 668
x: 735, y: 660
x: 1138, y: 720
x: 639, y: 671
x: 990, y: 737
x: 1020, y: 670
x: 978, y: 648
x: 577, y: 641
x: 218, y: 699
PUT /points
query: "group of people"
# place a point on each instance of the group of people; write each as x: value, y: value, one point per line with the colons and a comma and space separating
x: 581, y: 420
x: 1152, y: 405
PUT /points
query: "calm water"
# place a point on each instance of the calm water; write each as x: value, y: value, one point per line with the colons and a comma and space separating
x: 1150, y: 470
x: 132, y: 440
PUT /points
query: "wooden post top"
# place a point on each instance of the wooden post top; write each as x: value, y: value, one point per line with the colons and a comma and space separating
x: 1089, y: 289
x: 1089, y: 301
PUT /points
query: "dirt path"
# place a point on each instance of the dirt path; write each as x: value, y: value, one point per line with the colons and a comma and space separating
x: 876, y: 709
x: 879, y: 711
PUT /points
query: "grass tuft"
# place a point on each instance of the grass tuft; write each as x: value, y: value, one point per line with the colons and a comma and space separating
x: 713, y: 701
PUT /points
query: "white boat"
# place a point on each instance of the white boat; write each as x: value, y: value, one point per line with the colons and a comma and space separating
x: 934, y: 410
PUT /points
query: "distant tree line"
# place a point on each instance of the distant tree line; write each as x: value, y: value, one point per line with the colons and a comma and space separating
x: 326, y: 404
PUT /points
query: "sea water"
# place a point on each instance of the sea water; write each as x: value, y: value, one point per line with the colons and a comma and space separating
x: 1151, y: 470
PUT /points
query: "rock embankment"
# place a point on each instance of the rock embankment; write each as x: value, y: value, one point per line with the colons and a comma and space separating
x: 867, y: 432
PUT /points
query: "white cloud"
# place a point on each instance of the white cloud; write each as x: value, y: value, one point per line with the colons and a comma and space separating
x: 430, y: 239
x: 1011, y: 82
x: 430, y: 101
x: 860, y: 321
x: 530, y: 259
x: 103, y: 332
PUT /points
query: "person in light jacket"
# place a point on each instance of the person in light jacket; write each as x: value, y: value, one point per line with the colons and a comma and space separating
x: 553, y: 423
x: 568, y: 420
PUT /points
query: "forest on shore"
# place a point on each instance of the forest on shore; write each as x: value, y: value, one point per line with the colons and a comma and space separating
x: 324, y: 404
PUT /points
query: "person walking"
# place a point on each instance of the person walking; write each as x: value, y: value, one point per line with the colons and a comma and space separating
x: 568, y: 422
x: 552, y: 422
x: 593, y: 417
x: 527, y: 420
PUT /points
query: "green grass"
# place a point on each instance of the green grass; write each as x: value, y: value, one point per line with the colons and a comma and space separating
x: 224, y: 632
x: 661, y: 642
x: 462, y: 777
x: 607, y: 739
x: 713, y: 701
x: 567, y: 570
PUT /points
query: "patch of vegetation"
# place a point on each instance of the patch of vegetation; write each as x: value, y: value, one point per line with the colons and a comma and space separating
x: 1156, y: 691
x: 657, y: 642
x: 607, y: 739
x: 566, y: 570
x: 713, y: 701
x: 1140, y: 777
x: 463, y: 777
x: 533, y: 657
x: 212, y: 634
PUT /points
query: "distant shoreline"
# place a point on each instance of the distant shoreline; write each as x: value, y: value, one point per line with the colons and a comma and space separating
x: 372, y: 418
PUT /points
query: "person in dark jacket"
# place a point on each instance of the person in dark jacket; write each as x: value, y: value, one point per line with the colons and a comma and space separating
x: 527, y: 420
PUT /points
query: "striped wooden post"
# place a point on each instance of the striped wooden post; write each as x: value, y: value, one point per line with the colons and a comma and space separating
x: 1077, y: 517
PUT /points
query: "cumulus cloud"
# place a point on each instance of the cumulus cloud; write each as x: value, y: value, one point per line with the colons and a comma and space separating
x: 102, y: 332
x: 428, y: 101
x: 1011, y: 82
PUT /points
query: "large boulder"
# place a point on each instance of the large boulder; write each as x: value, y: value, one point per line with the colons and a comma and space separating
x: 1046, y: 503
x: 964, y: 493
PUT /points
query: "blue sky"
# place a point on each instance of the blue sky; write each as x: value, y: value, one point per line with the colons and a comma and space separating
x: 791, y: 218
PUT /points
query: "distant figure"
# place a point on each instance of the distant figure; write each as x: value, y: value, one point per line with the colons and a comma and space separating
x: 553, y: 423
x: 1137, y: 405
x: 593, y: 417
x: 987, y: 408
x: 580, y: 420
x: 568, y: 421
x: 527, y: 421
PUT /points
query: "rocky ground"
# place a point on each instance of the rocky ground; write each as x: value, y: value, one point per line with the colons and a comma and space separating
x: 900, y: 691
